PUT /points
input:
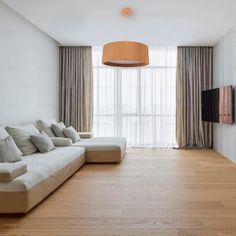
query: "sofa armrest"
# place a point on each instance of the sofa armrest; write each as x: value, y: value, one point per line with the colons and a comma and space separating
x: 9, y: 171
x: 61, y: 142
x: 85, y: 135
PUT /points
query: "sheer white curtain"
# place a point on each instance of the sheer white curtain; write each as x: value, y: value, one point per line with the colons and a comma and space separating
x: 137, y: 103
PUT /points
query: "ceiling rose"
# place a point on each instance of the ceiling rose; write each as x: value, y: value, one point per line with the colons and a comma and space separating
x: 125, y: 53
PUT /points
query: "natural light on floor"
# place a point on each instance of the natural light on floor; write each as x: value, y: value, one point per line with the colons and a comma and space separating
x: 137, y: 103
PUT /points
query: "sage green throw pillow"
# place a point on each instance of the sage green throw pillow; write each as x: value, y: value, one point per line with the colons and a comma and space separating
x: 46, y: 127
x: 71, y: 133
x: 42, y: 142
x: 22, y: 140
x: 58, y: 129
x: 8, y: 151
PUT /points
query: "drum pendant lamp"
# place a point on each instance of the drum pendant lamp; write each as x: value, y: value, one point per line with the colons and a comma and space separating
x: 125, y: 53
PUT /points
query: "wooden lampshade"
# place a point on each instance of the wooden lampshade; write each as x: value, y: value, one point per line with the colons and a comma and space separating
x: 125, y: 54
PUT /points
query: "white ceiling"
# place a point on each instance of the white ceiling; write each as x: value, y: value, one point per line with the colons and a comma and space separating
x: 155, y: 22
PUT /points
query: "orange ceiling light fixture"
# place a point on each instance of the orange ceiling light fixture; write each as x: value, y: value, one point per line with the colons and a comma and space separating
x: 125, y: 53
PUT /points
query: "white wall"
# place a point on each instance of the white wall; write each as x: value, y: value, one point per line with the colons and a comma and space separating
x: 225, y: 74
x: 29, y: 79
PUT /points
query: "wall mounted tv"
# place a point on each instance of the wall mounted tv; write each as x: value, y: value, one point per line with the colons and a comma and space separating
x: 217, y: 105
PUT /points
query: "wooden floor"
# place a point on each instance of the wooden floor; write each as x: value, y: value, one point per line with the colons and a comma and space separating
x: 153, y: 192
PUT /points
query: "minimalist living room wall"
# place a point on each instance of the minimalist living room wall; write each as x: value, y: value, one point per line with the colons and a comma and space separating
x: 29, y: 80
x: 225, y: 74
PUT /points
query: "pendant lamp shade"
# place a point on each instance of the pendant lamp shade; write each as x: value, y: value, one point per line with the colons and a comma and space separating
x: 125, y: 54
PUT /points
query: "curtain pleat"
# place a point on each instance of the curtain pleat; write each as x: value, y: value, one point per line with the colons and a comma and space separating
x: 194, y: 74
x: 76, y: 87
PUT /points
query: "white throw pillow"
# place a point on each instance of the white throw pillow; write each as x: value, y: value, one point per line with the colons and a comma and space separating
x: 8, y: 152
x: 4, y: 134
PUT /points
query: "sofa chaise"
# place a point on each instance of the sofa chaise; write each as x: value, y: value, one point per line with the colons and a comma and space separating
x: 103, y: 149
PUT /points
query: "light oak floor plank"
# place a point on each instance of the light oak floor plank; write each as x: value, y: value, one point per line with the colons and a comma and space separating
x: 153, y: 192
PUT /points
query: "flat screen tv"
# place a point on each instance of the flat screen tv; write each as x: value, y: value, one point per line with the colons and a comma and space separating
x: 217, y: 105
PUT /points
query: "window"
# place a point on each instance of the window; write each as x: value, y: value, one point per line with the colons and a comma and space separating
x: 137, y: 103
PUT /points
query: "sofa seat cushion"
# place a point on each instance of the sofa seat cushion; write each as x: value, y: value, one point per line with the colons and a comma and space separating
x: 41, y: 166
x: 103, y: 149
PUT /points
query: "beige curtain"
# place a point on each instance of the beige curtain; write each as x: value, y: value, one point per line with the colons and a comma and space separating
x: 194, y: 74
x: 76, y: 87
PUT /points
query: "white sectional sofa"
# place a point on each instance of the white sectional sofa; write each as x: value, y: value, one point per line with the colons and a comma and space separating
x: 46, y: 172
